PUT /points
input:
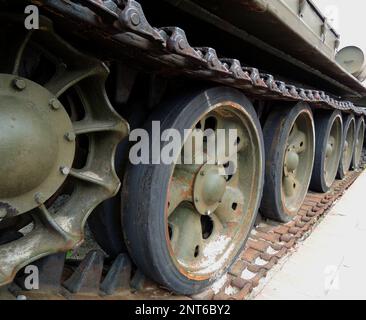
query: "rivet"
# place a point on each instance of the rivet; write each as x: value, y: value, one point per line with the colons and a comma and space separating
x: 39, y: 198
x: 70, y: 136
x: 19, y: 84
x: 55, y: 104
x: 135, y: 19
x: 65, y: 170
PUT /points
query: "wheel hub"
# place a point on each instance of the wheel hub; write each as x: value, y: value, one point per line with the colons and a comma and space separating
x: 209, y: 188
x: 36, y: 140
x: 292, y: 161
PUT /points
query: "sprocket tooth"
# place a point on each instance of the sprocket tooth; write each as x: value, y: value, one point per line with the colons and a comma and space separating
x: 118, y: 276
x: 133, y: 18
x: 87, y: 276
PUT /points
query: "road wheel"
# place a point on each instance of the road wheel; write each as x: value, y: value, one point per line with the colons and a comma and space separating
x: 185, y: 224
x: 290, y: 147
x: 328, y: 137
x: 360, y: 136
x: 349, y: 134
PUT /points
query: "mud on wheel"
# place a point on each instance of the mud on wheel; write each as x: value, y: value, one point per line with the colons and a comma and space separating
x: 58, y: 138
x: 185, y: 224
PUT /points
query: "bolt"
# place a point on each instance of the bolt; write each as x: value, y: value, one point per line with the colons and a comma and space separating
x: 196, y: 199
x: 55, y: 104
x: 208, y: 212
x: 19, y: 84
x: 3, y: 213
x: 70, y: 136
x: 65, y: 170
x: 135, y: 19
x: 39, y: 198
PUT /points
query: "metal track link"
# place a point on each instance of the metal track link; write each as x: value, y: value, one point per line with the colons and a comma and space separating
x: 123, y: 22
x: 267, y: 244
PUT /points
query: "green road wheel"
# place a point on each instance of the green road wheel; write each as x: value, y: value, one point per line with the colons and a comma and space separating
x: 360, y: 136
x: 329, y: 136
x: 185, y: 224
x: 349, y: 140
x: 290, y: 147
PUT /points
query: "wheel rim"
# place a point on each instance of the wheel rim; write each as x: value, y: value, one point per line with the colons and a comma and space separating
x: 73, y: 121
x: 359, y: 142
x: 298, y: 162
x: 208, y: 215
x: 349, y: 142
x: 332, y: 151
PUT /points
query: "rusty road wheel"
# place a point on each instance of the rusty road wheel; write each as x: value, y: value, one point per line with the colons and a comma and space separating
x: 329, y: 136
x: 290, y: 148
x: 59, y: 133
x: 349, y: 140
x: 185, y: 223
x: 360, y: 136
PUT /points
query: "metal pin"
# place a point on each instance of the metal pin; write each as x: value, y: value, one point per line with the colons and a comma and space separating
x: 65, y: 170
x: 20, y: 84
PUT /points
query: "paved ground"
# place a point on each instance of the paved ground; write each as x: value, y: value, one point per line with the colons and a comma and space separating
x: 331, y: 263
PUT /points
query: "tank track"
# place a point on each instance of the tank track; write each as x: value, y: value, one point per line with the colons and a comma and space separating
x: 124, y: 24
x: 268, y: 243
x: 167, y: 48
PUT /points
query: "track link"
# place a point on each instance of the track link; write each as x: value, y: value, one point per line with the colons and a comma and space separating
x: 167, y: 50
x: 126, y: 27
x: 268, y: 243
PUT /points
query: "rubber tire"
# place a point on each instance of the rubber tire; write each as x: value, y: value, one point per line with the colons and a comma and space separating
x: 347, y: 121
x: 145, y: 189
x: 354, y: 164
x: 323, y: 124
x: 275, y: 132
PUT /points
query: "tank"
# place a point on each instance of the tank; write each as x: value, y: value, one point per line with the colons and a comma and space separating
x: 168, y: 129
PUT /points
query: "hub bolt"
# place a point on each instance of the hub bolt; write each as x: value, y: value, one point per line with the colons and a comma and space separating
x: 39, y: 198
x: 20, y: 84
x: 65, y: 170
x: 70, y: 136
x: 55, y: 104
